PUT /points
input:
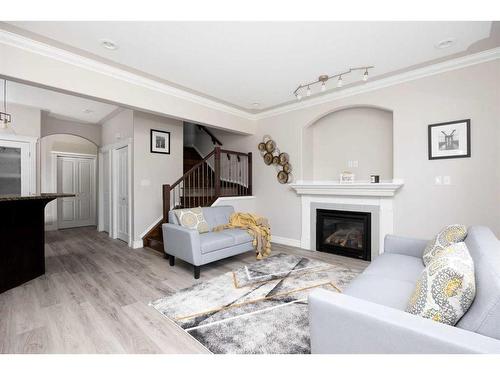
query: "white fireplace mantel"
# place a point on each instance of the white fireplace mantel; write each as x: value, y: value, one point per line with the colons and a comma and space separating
x: 367, y: 189
x: 377, y: 197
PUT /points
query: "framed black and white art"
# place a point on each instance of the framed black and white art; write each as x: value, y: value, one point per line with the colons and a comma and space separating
x: 449, y: 140
x: 160, y: 142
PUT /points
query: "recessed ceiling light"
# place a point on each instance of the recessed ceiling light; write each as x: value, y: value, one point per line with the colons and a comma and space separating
x: 445, y: 43
x: 255, y: 104
x: 88, y: 111
x: 109, y: 44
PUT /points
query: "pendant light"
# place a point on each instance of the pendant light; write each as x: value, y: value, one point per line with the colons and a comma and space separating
x: 5, y: 118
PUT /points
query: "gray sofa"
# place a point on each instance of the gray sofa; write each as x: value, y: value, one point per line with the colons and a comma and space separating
x: 369, y: 316
x: 199, y: 249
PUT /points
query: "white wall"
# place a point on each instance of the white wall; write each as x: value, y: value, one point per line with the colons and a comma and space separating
x: 151, y: 170
x: 118, y: 127
x: 25, y: 120
x: 421, y: 207
x: 52, y: 125
x: 363, y: 135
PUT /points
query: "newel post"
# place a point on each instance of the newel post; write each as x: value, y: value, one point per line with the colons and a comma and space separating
x: 217, y: 171
x: 249, y: 173
x: 166, y: 202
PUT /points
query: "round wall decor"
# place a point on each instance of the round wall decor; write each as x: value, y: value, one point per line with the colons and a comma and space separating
x: 273, y: 156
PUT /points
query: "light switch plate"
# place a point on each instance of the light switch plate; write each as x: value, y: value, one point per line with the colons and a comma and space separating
x: 447, y: 180
x: 438, y: 180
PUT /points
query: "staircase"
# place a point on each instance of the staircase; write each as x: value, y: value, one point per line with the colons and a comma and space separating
x: 222, y: 173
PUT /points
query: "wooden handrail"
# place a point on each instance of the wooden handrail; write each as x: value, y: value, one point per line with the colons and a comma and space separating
x: 233, y: 152
x: 191, y: 170
x: 215, y: 141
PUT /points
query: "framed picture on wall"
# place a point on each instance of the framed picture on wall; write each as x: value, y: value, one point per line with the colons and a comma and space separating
x: 160, y: 142
x: 449, y: 140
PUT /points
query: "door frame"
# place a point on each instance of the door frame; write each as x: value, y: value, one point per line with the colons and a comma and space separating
x: 31, y: 163
x: 54, y: 155
x: 113, y: 223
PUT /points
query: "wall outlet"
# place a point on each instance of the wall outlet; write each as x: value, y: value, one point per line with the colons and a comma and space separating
x: 446, y: 180
x: 438, y: 180
x: 145, y: 183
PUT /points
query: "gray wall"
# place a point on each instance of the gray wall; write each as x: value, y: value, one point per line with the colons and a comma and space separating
x: 421, y: 207
x: 358, y: 134
x: 151, y: 171
x: 120, y: 126
x: 52, y: 125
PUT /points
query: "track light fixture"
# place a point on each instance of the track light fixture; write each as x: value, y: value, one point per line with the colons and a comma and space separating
x: 322, y: 79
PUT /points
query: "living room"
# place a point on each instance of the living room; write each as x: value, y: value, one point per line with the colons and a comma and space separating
x: 323, y: 187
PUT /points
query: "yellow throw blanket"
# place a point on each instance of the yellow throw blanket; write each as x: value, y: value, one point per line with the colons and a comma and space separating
x: 256, y: 226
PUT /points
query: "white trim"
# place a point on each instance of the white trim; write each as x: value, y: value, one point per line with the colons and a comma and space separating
x: 137, y: 244
x: 383, y: 189
x: 237, y: 198
x: 150, y: 227
x: 113, y: 146
x: 27, y: 44
x: 376, y: 84
x: 74, y: 154
x: 285, y: 241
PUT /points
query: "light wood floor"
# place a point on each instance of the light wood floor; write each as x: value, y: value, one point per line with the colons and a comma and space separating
x: 94, y: 298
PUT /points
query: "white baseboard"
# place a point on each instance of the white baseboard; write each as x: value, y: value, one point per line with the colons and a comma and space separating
x: 285, y: 241
x: 137, y: 244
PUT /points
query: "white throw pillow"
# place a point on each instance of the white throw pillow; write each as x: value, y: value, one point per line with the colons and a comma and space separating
x: 447, y: 236
x: 446, y: 287
x: 192, y: 218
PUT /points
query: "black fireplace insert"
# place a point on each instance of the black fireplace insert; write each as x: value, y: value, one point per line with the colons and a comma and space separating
x: 345, y: 233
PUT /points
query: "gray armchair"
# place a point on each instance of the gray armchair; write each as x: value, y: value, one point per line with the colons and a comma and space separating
x: 200, y: 249
x: 369, y: 316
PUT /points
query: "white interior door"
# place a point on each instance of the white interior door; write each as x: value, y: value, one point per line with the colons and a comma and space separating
x: 106, y: 191
x: 76, y: 175
x: 122, y: 194
x: 14, y: 167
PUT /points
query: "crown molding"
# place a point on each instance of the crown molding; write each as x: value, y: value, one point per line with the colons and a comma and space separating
x: 27, y: 44
x: 438, y: 68
x: 30, y: 45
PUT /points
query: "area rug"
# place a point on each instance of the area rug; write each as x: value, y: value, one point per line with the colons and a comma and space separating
x: 259, y: 308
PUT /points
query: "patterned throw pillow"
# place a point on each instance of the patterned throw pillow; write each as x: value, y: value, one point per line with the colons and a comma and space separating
x: 446, y: 287
x: 447, y: 236
x: 192, y: 218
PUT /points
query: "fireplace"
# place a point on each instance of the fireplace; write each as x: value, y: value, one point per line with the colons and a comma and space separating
x: 345, y: 233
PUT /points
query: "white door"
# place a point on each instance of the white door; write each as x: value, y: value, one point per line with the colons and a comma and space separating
x: 76, y: 175
x: 122, y: 194
x: 106, y: 191
x: 14, y: 167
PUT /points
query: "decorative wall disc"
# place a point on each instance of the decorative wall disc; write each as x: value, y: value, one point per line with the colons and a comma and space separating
x: 287, y: 167
x: 270, y: 145
x: 266, y: 138
x: 284, y: 158
x: 282, y: 177
x: 268, y: 158
x: 276, y: 160
x: 262, y: 147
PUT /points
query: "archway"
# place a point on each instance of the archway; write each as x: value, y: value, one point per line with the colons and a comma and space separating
x: 80, y: 157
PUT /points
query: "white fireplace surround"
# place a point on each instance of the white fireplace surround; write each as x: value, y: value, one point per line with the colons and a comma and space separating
x: 376, y: 198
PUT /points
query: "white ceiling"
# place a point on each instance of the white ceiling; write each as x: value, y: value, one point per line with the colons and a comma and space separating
x: 246, y: 62
x: 57, y: 104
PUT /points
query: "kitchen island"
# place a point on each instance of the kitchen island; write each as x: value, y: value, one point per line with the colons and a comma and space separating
x: 22, y: 237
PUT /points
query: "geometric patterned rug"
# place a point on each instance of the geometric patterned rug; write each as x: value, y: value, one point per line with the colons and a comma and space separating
x: 258, y: 308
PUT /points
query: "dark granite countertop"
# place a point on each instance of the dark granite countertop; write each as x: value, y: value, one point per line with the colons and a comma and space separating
x: 18, y: 197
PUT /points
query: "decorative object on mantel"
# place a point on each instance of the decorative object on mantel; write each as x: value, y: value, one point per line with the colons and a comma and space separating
x: 5, y: 118
x: 374, y: 178
x: 449, y: 140
x: 160, y: 142
x: 273, y: 156
x: 346, y: 177
x: 324, y: 78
